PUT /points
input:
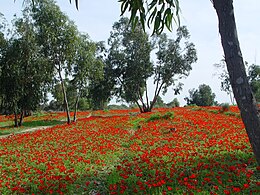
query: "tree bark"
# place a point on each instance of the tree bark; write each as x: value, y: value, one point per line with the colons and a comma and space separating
x: 236, y: 69
x: 21, y: 118
x: 65, y: 97
x: 15, y: 118
x: 76, y: 108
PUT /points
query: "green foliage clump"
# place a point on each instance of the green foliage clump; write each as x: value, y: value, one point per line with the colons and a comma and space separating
x: 168, y: 115
x: 225, y: 107
x: 174, y: 103
x: 153, y: 117
x: 157, y: 116
x: 137, y: 122
x: 201, y: 97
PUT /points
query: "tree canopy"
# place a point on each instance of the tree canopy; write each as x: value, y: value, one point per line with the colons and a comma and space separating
x: 130, y: 58
x: 202, y: 96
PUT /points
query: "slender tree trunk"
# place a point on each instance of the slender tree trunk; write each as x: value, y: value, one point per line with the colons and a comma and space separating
x: 139, y: 106
x: 236, y: 69
x: 15, y: 118
x: 76, y: 108
x: 65, y: 97
x: 21, y: 117
x: 156, y: 94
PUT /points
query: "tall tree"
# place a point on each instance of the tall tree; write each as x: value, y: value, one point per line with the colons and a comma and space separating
x: 253, y: 74
x: 87, y: 67
x: 58, y: 37
x: 25, y: 71
x: 129, y: 55
x: 237, y: 73
x: 100, y: 89
x: 174, y: 59
x: 3, y: 44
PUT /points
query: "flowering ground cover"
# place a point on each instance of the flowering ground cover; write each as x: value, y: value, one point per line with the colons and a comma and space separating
x: 168, y: 151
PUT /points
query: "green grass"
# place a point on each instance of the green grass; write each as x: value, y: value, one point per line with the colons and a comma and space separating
x: 32, y: 124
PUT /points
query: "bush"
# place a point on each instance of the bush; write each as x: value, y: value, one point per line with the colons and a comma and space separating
x: 225, y: 107
x: 153, y: 117
x: 168, y: 115
x: 137, y: 123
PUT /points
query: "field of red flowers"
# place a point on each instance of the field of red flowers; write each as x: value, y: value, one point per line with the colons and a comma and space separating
x: 187, y: 150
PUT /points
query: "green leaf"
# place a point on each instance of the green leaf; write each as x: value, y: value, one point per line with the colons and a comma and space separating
x: 157, y: 22
x: 151, y: 18
x: 151, y: 5
x: 124, y: 6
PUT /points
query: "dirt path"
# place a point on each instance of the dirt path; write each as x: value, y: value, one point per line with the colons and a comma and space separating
x: 26, y: 131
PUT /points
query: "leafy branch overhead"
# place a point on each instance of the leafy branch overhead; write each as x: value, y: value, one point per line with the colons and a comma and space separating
x: 159, y: 13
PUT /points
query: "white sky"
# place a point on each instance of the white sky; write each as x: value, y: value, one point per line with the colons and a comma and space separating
x: 97, y: 17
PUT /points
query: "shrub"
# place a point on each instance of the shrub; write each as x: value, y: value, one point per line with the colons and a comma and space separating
x: 168, y: 115
x: 225, y: 107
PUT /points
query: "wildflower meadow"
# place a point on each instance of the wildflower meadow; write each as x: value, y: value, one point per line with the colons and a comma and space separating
x: 185, y: 150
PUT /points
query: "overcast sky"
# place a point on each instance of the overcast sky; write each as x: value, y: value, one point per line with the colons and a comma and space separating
x: 96, y: 18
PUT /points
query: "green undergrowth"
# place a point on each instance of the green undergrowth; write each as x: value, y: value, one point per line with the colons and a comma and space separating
x: 137, y: 123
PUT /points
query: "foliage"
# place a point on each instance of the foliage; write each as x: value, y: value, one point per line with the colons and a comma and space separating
x: 100, y: 88
x: 225, y: 82
x: 174, y: 103
x: 201, y: 97
x: 25, y: 72
x: 129, y: 56
x: 159, y: 13
x: 225, y: 107
x: 58, y: 39
x: 88, y: 67
x: 117, y: 107
x: 253, y: 78
x: 159, y: 103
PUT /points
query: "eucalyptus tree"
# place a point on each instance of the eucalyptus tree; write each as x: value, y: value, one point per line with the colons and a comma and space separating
x: 58, y: 38
x: 100, y: 89
x: 10, y: 78
x: 174, y: 60
x: 87, y: 67
x: 25, y: 71
x: 253, y: 75
x: 3, y: 43
x: 129, y: 55
x: 225, y: 81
